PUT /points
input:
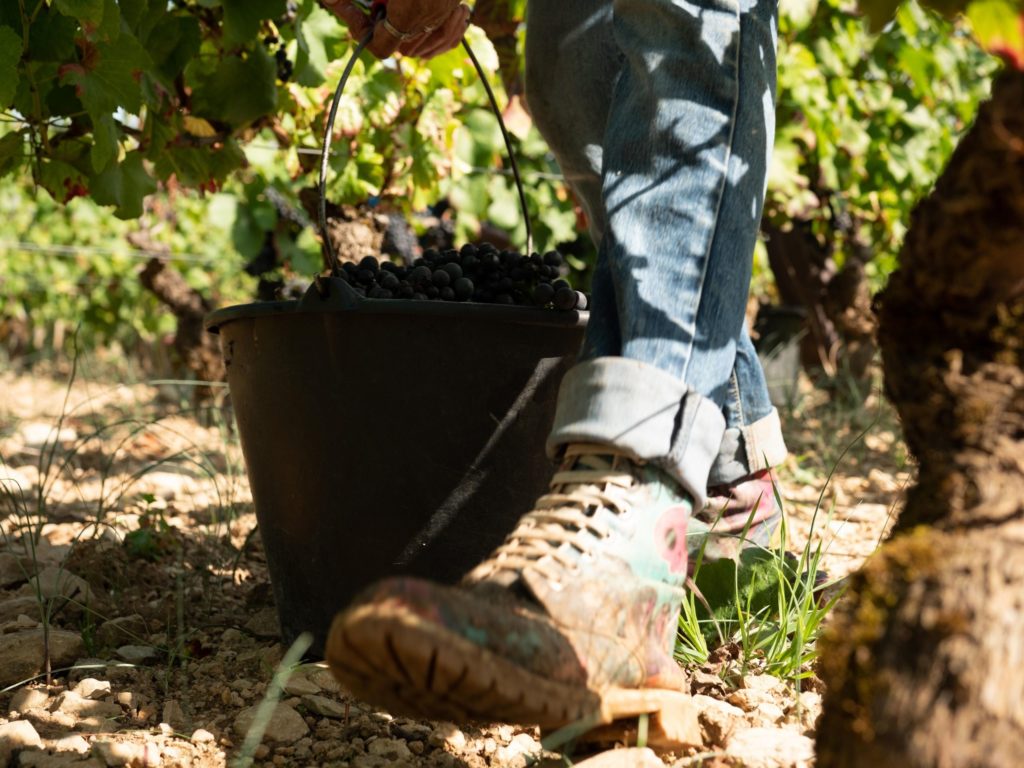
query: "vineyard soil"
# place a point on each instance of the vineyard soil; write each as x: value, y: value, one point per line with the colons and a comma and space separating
x: 160, y: 616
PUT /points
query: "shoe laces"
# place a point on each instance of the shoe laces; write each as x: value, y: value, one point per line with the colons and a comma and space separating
x: 591, y: 478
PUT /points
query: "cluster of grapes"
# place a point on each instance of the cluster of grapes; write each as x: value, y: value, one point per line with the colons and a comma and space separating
x: 479, y: 273
x: 285, y: 68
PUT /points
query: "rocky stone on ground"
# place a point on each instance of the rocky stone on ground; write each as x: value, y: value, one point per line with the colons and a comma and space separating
x: 284, y: 725
x: 15, y: 569
x: 771, y: 748
x: 13, y: 607
x: 22, y: 654
x: 16, y: 736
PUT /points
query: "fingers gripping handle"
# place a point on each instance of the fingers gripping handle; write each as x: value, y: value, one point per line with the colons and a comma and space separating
x: 378, y: 11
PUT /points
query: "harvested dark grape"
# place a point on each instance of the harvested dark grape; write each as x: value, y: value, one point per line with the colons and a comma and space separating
x: 421, y: 274
x: 565, y: 299
x: 477, y: 273
x: 542, y: 294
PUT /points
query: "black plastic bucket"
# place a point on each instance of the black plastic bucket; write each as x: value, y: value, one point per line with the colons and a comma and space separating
x: 388, y: 437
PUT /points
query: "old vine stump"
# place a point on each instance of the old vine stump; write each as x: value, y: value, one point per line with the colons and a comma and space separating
x: 925, y: 662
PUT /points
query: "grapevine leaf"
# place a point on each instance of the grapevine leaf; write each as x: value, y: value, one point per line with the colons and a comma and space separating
x: 106, y: 78
x: 62, y: 179
x: 317, y: 34
x: 239, y: 90
x: 124, y: 185
x: 132, y: 12
x: 12, y: 152
x: 999, y: 27
x: 86, y: 11
x: 242, y: 17
x: 174, y: 46
x: 196, y: 166
x: 110, y: 27
x: 10, y: 55
x: 104, y: 142
x: 52, y: 37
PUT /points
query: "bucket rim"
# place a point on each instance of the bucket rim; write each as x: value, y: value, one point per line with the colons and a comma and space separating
x: 518, y: 315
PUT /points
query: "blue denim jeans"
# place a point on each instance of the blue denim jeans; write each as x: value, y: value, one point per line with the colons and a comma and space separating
x: 661, y: 116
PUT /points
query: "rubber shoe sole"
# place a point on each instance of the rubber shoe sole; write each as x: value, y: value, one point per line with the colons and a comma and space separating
x: 393, y: 659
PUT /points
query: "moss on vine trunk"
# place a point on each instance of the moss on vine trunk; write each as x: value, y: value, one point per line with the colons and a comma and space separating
x: 925, y: 662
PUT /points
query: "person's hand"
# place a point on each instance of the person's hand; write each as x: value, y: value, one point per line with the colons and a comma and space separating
x: 422, y: 28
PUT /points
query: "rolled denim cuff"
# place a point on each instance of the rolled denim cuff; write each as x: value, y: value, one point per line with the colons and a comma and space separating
x: 640, y: 409
x: 748, y: 449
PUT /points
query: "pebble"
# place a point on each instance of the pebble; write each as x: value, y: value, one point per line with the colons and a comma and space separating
x: 392, y: 749
x: 749, y: 699
x: 28, y: 699
x: 323, y: 678
x: 516, y: 752
x: 324, y: 707
x: 137, y: 654
x: 718, y: 719
x: 763, y: 683
x: 173, y: 714
x: 112, y: 633
x: 771, y: 748
x: 15, y: 607
x: 300, y: 685
x: 21, y: 653
x: 54, y: 581
x: 13, y: 480
x: 15, y: 736
x: 202, y: 736
x: 769, y: 713
x: 117, y: 753
x: 70, y: 703
x: 91, y: 688
x: 15, y: 570
x: 285, y: 724
x: 449, y: 735
x: 632, y: 757
x: 73, y: 743
x: 37, y: 434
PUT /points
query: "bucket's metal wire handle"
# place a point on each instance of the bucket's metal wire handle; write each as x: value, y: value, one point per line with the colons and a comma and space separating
x: 325, y: 151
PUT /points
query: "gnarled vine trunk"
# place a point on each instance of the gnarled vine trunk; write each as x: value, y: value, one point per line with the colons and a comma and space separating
x: 925, y: 663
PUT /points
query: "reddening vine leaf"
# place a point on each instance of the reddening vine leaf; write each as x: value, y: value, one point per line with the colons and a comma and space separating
x: 107, y: 76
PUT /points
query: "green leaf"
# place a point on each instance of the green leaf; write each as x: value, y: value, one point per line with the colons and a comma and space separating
x: 750, y: 588
x: 175, y: 44
x: 317, y: 33
x: 239, y: 90
x: 132, y: 11
x: 12, y: 152
x: 124, y: 185
x: 197, y: 166
x: 10, y: 55
x: 62, y: 179
x: 242, y: 18
x: 104, y: 142
x: 1000, y: 27
x: 107, y: 77
x: 52, y: 37
x: 110, y: 27
x: 86, y: 11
